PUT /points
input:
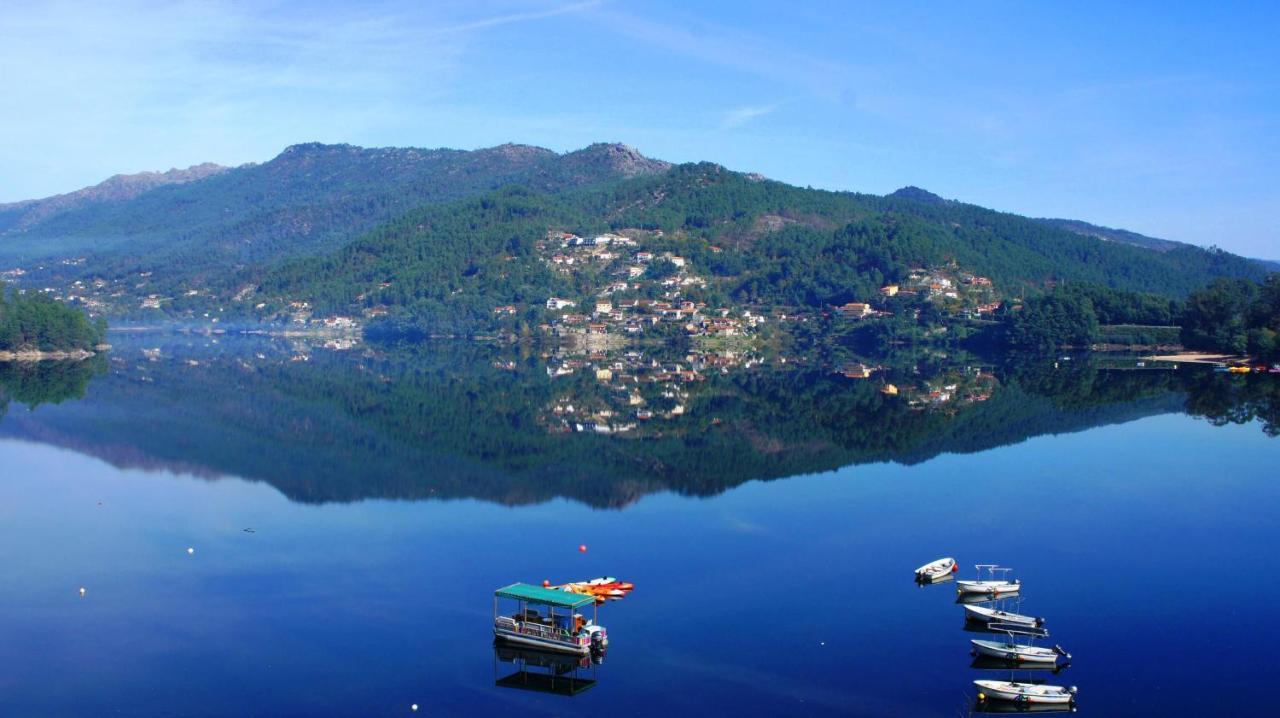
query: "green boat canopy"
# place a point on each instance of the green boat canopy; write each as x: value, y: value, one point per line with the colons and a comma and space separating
x: 545, y: 596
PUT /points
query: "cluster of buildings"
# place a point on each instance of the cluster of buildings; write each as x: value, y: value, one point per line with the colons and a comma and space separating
x: 630, y: 298
x: 959, y: 293
x: 964, y: 292
x: 628, y: 392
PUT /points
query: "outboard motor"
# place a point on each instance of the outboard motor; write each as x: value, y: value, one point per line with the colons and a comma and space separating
x: 1058, y: 650
x: 599, y: 639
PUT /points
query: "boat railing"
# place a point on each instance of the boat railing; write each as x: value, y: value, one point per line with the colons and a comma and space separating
x: 1018, y: 629
x: 536, y: 630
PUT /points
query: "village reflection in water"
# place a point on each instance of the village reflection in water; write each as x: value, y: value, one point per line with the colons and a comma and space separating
x: 325, y: 420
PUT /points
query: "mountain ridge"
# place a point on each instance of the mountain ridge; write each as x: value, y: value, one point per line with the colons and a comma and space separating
x: 119, y: 187
x: 309, y: 198
x: 462, y: 217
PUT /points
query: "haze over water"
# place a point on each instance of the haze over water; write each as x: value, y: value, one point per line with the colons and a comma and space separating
x: 351, y: 515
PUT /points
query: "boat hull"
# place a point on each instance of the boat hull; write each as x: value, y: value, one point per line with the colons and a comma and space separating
x: 936, y: 570
x: 983, y: 614
x: 545, y: 644
x: 1025, y: 693
x: 989, y: 588
x: 1011, y: 652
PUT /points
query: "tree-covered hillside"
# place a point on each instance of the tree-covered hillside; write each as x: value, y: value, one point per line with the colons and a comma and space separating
x: 450, y: 235
x: 34, y: 321
x: 759, y: 243
x: 1235, y: 316
x: 309, y: 199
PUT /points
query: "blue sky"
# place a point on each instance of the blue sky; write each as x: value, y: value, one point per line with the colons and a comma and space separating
x: 1154, y: 117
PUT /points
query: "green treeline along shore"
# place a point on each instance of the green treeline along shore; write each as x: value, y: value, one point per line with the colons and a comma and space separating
x: 33, y: 325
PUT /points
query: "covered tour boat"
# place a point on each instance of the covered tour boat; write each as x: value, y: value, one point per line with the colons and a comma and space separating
x: 547, y: 619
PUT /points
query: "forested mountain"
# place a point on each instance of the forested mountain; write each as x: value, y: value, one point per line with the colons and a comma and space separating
x: 311, y: 198
x: 756, y: 241
x: 19, y: 216
x: 450, y: 235
x: 1124, y: 236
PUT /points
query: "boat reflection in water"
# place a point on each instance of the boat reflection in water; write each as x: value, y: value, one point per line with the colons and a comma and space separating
x: 988, y: 663
x: 554, y: 672
x: 1007, y: 707
x: 929, y: 581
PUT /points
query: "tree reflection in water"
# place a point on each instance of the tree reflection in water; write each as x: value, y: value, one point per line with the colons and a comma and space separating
x: 523, y: 425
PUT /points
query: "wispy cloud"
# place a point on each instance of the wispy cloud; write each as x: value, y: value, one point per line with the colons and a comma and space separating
x: 740, y: 116
x: 745, y: 52
x: 227, y: 81
x: 518, y: 17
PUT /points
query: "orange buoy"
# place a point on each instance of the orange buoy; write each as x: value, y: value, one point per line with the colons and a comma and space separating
x: 546, y: 583
x: 582, y: 548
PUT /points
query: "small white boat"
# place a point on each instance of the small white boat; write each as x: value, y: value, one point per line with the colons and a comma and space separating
x: 1013, y: 652
x: 935, y: 570
x: 1031, y: 693
x: 984, y: 614
x: 990, y: 586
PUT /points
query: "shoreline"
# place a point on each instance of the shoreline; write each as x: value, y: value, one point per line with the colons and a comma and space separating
x: 35, y: 355
x: 1198, y: 358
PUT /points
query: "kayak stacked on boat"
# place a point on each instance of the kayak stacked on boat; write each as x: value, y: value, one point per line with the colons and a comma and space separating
x: 605, y: 588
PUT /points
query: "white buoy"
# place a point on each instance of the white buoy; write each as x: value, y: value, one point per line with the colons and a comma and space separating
x: 190, y: 551
x: 414, y: 707
x: 82, y: 591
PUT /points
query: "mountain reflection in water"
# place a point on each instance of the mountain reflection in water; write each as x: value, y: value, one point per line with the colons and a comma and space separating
x: 454, y: 419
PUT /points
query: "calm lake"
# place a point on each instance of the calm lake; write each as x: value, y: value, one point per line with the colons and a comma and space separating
x: 352, y: 510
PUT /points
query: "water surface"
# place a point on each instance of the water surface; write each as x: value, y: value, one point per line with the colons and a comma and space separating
x: 771, y: 527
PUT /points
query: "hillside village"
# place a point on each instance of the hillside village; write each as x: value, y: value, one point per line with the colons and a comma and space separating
x: 630, y: 285
x: 641, y: 291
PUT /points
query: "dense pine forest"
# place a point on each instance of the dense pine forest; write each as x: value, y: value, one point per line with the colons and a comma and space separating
x: 34, y: 321
x: 1235, y: 316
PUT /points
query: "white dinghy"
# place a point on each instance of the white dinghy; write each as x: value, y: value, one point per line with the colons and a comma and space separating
x: 985, y: 614
x: 1011, y: 650
x: 991, y: 586
x: 1027, y: 693
x: 936, y: 570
